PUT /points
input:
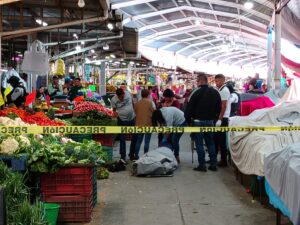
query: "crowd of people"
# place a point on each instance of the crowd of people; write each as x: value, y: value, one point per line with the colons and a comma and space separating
x: 205, y: 106
x: 19, y: 90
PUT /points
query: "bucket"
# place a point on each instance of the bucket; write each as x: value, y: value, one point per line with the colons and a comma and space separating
x: 51, y: 212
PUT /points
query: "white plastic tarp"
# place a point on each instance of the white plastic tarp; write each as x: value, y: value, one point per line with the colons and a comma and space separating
x: 248, y: 149
x: 160, y: 161
x: 282, y: 171
x: 293, y: 93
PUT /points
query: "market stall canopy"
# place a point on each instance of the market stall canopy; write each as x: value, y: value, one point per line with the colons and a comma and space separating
x: 214, y: 30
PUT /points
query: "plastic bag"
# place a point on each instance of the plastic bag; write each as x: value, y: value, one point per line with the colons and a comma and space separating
x: 59, y: 68
x: 36, y: 61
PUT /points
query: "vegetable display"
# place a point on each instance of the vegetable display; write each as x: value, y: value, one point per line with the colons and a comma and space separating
x: 51, y: 153
x: 38, y: 118
x: 93, y: 118
x: 18, y: 208
x: 89, y: 106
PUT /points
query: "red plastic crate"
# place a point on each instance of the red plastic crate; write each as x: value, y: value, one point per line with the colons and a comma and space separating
x: 73, y: 208
x: 68, y: 181
x: 104, y: 139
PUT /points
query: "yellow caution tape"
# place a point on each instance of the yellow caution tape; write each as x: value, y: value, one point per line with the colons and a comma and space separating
x: 131, y: 130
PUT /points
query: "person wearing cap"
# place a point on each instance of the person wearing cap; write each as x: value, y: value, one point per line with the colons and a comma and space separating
x: 18, y: 94
x: 68, y: 83
x: 54, y: 88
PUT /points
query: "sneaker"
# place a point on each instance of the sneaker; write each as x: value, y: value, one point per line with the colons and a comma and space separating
x: 222, y: 164
x: 177, y: 159
x: 213, y: 168
x: 200, y: 168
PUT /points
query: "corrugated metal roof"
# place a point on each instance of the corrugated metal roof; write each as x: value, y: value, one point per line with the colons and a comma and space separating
x: 189, y: 24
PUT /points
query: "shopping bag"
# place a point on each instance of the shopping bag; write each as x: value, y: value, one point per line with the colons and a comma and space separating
x: 36, y: 60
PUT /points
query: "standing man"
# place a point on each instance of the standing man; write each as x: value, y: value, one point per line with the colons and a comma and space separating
x: 74, y: 91
x: 123, y: 106
x: 143, y: 110
x: 202, y: 110
x: 54, y: 88
x: 220, y: 137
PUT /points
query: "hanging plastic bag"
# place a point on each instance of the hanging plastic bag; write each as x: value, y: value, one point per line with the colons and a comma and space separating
x: 59, y: 68
x: 36, y: 60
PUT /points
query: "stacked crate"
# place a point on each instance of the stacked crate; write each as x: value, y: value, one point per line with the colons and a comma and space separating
x: 73, y: 189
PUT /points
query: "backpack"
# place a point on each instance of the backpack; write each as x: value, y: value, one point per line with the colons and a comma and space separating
x: 235, y: 106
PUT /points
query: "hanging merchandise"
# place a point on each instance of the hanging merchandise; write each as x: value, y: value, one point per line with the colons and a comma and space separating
x: 87, y: 72
x: 36, y: 60
x: 59, y: 68
x: 152, y: 79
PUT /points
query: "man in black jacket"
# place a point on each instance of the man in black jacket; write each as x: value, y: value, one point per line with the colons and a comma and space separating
x: 202, y: 110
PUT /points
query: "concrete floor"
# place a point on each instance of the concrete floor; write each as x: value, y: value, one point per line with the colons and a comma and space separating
x: 187, y: 198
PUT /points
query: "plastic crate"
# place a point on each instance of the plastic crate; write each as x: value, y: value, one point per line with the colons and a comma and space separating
x: 15, y: 163
x: 109, y: 152
x: 73, y: 208
x: 104, y: 139
x: 95, y: 186
x: 68, y: 181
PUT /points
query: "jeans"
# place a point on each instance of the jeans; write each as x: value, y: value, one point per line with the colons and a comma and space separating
x: 139, y: 141
x: 123, y: 138
x: 220, y: 141
x: 175, y: 137
x: 208, y: 137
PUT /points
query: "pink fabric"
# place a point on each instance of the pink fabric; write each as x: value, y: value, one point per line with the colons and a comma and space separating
x: 248, y: 107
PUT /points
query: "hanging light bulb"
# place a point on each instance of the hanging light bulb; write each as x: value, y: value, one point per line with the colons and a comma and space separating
x: 248, y: 5
x: 81, y: 3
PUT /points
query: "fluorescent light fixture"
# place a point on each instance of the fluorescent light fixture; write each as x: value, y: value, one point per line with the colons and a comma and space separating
x: 3, y: 2
x: 123, y: 63
x: 94, y: 56
x: 107, y: 57
x: 106, y: 47
x: 110, y: 26
x: 117, y: 62
x: 75, y: 36
x: 112, y: 56
x: 82, y: 42
x: 248, y: 5
x: 39, y: 21
x: 81, y: 3
x: 92, y: 51
x: 137, y: 64
x: 131, y: 63
x: 110, y: 61
x: 78, y: 48
x: 197, y: 22
x: 45, y: 24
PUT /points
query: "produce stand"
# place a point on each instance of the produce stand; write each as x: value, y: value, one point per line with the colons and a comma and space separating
x: 67, y: 171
